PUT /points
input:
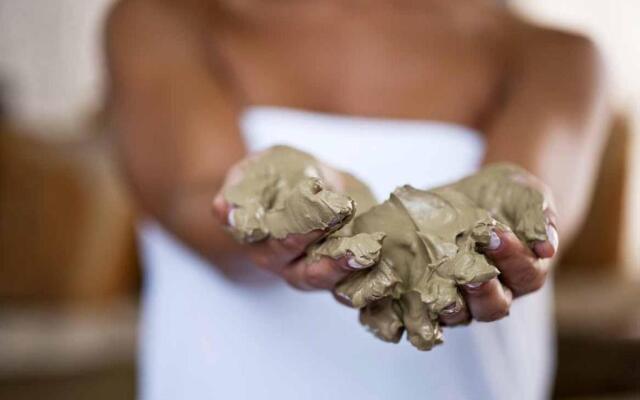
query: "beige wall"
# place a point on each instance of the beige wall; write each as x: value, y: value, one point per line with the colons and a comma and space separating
x: 49, y: 58
x: 614, y: 24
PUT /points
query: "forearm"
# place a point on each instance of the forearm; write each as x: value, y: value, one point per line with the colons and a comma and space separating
x: 565, y: 162
x: 178, y: 197
x: 553, y: 125
x: 190, y: 218
x: 174, y: 119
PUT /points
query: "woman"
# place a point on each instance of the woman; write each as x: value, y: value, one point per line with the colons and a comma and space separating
x: 419, y: 92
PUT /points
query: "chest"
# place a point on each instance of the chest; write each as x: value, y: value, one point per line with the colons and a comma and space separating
x: 395, y: 65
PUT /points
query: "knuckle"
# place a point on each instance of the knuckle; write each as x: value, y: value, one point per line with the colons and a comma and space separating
x: 496, y: 313
x: 316, y: 277
x: 530, y: 279
x: 294, y: 243
x: 483, y: 290
x: 508, y: 245
x: 541, y: 279
x: 524, y: 272
x: 261, y: 260
x: 295, y: 283
x: 455, y: 319
x: 292, y: 277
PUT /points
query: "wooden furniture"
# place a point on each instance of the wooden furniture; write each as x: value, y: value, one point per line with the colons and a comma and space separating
x: 66, y: 224
x: 598, y: 290
x: 68, y: 270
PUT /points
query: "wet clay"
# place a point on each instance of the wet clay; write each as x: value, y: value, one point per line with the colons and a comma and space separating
x: 433, y: 243
x: 284, y: 191
x: 419, y: 245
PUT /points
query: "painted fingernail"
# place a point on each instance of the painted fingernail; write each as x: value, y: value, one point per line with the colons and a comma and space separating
x: 474, y: 285
x: 552, y: 236
x: 351, y: 262
x: 494, y: 241
x: 345, y: 299
x: 451, y: 309
x: 336, y: 221
x: 342, y: 296
x: 230, y: 218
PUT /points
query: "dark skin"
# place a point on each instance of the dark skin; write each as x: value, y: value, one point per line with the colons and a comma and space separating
x: 181, y: 72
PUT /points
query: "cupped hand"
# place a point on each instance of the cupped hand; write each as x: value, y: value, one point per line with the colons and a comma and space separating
x: 523, y: 269
x: 286, y: 257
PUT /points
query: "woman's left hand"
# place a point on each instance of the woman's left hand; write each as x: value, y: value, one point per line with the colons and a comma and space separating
x: 523, y: 269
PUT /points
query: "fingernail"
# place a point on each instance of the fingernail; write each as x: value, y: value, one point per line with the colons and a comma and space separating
x: 552, y: 236
x: 336, y: 221
x: 351, y: 262
x: 451, y: 309
x: 342, y: 295
x: 345, y: 299
x: 494, y: 241
x: 474, y: 285
x: 230, y: 218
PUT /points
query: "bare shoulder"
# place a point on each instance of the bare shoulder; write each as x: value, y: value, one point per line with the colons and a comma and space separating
x: 136, y: 20
x: 567, y: 46
x: 555, y: 65
x: 557, y: 51
x: 142, y: 35
x: 124, y: 15
x: 122, y: 11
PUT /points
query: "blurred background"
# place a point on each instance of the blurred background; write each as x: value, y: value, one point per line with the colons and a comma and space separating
x: 69, y: 278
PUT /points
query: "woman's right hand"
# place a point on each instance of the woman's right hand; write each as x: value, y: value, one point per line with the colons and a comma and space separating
x: 286, y: 257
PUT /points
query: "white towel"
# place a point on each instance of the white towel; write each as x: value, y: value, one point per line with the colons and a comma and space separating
x: 205, y: 337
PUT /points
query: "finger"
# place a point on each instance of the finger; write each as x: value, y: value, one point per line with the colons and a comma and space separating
x: 221, y: 209
x: 488, y: 301
x: 341, y: 298
x: 236, y: 172
x: 455, y: 314
x: 543, y: 188
x: 293, y: 246
x: 519, y: 268
x: 384, y: 318
x: 322, y: 274
x: 276, y: 254
x: 422, y: 331
x: 549, y: 247
x: 551, y: 215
